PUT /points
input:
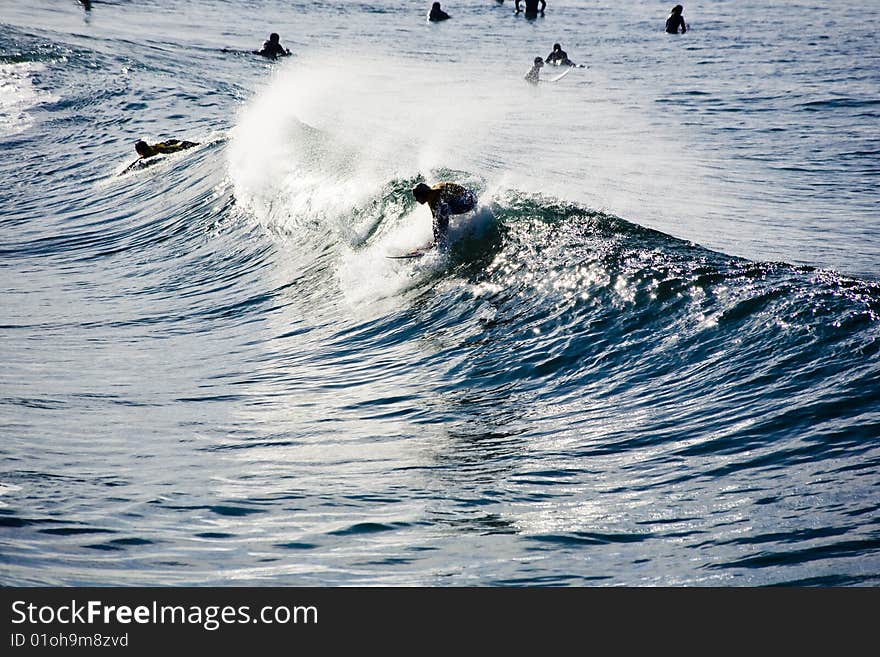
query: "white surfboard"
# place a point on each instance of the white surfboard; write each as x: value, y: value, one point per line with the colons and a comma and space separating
x: 561, y: 75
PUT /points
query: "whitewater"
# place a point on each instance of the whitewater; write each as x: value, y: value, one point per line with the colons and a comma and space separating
x: 648, y: 358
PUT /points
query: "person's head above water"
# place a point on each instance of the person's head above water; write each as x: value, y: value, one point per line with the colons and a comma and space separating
x: 677, y: 9
x: 421, y: 192
x: 539, y: 61
x: 436, y: 5
x: 556, y: 47
x: 143, y: 148
x: 274, y: 37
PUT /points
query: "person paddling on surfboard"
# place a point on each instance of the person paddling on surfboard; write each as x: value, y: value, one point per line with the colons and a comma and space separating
x: 145, y: 151
x: 273, y: 48
x: 444, y: 199
x: 559, y: 57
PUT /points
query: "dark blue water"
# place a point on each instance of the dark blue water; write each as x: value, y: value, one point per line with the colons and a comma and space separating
x: 650, y: 358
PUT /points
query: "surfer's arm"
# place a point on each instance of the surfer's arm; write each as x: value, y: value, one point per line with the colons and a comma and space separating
x: 543, y: 5
x: 131, y: 166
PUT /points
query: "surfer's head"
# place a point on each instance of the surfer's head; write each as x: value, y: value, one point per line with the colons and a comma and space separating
x: 143, y: 148
x: 556, y: 47
x: 421, y: 192
x: 436, y: 6
x: 539, y: 61
x: 677, y: 9
x: 274, y: 37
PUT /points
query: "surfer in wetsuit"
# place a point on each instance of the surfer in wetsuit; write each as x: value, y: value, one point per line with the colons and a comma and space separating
x: 534, y: 74
x: 559, y: 57
x: 437, y: 14
x: 444, y: 199
x: 273, y: 48
x: 675, y: 21
x: 146, y: 151
x: 532, y: 8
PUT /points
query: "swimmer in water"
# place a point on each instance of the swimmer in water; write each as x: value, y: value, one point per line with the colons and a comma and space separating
x: 437, y: 14
x: 559, y: 57
x: 532, y: 8
x: 272, y: 48
x: 675, y: 21
x: 534, y: 74
x: 444, y: 199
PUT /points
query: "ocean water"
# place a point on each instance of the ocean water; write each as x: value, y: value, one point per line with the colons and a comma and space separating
x: 649, y: 358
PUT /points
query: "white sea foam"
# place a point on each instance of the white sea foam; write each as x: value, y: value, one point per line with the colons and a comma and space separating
x: 317, y: 147
x: 19, y: 96
x: 325, y: 134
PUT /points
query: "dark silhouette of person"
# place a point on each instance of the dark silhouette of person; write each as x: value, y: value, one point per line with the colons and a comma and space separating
x: 559, y: 57
x: 273, y: 48
x: 444, y: 199
x: 437, y: 14
x: 675, y: 21
x: 532, y: 8
x: 146, y: 151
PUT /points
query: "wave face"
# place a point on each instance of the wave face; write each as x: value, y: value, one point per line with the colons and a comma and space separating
x: 216, y: 376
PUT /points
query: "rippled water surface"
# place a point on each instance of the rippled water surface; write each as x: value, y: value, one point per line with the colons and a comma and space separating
x: 649, y: 358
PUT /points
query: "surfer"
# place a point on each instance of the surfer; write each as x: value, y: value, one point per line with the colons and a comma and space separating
x: 532, y: 8
x: 559, y: 57
x: 534, y: 74
x: 675, y: 21
x: 273, y: 48
x: 437, y: 14
x: 145, y: 151
x: 444, y: 199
